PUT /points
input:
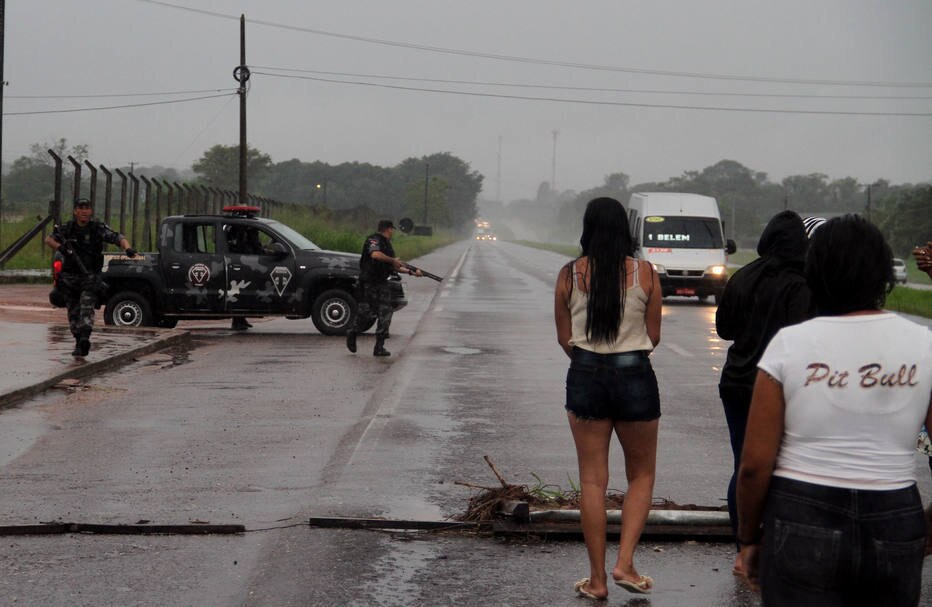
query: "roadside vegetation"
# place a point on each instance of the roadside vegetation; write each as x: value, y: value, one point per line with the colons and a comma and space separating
x: 917, y: 302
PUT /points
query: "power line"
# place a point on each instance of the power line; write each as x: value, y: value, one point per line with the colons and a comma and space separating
x: 551, y: 62
x: 596, y: 88
x: 596, y: 102
x: 156, y: 94
x: 115, y: 107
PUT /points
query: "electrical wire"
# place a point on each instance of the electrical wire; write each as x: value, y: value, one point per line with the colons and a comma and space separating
x: 596, y: 102
x: 114, y: 107
x: 594, y: 88
x: 118, y: 94
x: 550, y: 62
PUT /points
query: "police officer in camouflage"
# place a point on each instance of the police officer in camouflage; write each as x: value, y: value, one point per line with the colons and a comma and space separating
x: 377, y: 263
x: 81, y: 243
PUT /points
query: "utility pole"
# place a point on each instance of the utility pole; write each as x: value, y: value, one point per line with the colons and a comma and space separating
x: 2, y: 85
x: 498, y: 185
x: 241, y: 74
x: 426, y: 181
x: 553, y: 166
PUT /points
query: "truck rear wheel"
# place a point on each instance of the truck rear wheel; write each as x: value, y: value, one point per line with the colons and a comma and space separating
x: 333, y: 312
x: 128, y: 309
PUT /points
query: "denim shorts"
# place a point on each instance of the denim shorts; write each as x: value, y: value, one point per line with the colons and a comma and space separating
x: 830, y: 546
x: 619, y: 387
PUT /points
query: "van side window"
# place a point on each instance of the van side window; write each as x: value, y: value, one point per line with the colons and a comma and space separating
x: 194, y: 238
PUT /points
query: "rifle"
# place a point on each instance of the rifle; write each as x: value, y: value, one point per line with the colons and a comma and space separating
x: 411, y: 268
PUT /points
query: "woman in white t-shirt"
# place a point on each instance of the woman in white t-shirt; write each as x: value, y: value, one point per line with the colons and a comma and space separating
x: 829, y: 512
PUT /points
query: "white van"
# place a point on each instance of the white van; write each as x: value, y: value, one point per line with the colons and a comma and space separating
x: 681, y: 235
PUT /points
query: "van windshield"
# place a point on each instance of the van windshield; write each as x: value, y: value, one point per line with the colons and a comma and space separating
x: 678, y: 232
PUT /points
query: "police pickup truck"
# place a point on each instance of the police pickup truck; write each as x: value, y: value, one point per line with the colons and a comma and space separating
x: 234, y: 264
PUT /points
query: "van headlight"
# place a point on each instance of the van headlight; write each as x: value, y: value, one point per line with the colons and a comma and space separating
x: 716, y: 270
x: 659, y: 268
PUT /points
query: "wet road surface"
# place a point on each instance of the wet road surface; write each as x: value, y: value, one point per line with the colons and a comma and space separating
x: 269, y: 427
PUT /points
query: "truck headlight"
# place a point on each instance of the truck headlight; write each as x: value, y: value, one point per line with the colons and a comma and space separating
x: 659, y: 268
x: 716, y: 270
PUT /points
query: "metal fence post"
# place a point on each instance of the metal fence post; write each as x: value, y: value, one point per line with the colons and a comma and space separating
x: 57, y: 202
x: 92, y: 183
x: 76, y: 184
x: 188, y: 199
x: 147, y: 200
x: 134, y: 206
x: 108, y: 192
x: 158, y: 206
x: 122, y: 177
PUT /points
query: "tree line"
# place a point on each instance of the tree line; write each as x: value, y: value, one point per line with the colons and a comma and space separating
x: 439, y: 190
x: 747, y: 200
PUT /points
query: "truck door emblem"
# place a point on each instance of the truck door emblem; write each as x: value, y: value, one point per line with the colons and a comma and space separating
x: 280, y: 276
x: 199, y: 274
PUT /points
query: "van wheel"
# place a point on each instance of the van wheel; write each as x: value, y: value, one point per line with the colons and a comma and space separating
x: 128, y: 309
x: 333, y: 311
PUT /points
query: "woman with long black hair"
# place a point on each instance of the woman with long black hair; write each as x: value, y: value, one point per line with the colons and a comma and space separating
x: 607, y: 308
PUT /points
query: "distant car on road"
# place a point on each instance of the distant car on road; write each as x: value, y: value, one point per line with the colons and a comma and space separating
x: 899, y: 270
x: 486, y: 236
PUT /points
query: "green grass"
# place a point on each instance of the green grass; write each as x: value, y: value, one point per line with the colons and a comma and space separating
x: 917, y: 302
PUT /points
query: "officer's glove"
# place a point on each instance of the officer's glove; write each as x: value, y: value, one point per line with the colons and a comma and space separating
x: 130, y: 252
x: 65, y: 250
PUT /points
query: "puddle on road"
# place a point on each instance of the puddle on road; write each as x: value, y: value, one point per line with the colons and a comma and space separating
x: 19, y: 430
x: 461, y: 350
x: 398, y: 570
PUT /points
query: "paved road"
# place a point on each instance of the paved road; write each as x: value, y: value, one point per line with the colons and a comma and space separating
x: 269, y: 427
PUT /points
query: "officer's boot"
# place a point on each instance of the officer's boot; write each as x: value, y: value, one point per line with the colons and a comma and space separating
x: 351, y: 341
x: 82, y: 344
x: 379, y: 349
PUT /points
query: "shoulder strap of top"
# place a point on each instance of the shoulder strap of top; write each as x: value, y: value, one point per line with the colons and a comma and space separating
x: 637, y: 270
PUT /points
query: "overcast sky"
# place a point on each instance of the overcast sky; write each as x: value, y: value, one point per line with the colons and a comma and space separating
x: 799, y: 54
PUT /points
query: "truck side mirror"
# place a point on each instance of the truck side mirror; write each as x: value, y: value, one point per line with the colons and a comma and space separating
x: 276, y: 249
x: 730, y: 246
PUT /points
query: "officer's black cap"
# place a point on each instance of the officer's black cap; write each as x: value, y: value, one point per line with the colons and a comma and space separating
x: 385, y: 224
x: 83, y: 202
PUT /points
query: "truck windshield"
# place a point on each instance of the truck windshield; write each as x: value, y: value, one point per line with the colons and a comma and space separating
x: 295, y: 238
x: 677, y: 232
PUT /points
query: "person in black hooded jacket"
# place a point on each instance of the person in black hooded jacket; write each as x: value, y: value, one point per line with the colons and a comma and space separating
x: 760, y: 299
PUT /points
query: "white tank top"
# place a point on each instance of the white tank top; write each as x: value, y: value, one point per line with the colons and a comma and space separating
x: 632, y: 330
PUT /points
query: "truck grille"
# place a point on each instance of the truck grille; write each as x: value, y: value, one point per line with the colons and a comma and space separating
x: 686, y: 273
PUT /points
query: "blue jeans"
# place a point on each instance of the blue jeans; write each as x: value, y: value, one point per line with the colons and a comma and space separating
x: 826, y: 546
x: 736, y: 401
x: 619, y: 387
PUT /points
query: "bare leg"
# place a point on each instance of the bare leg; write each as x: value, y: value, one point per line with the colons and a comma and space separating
x: 593, y: 438
x: 639, y: 443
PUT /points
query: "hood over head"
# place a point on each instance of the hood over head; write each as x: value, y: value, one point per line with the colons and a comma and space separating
x: 784, y: 237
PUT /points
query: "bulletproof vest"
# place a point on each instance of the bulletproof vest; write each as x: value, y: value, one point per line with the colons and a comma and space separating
x: 371, y: 270
x: 88, y: 243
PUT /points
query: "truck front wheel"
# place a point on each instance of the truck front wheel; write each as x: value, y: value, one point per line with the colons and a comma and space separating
x: 333, y: 311
x: 128, y: 309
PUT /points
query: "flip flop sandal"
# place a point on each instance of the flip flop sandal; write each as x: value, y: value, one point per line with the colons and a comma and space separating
x: 578, y: 587
x: 644, y: 585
